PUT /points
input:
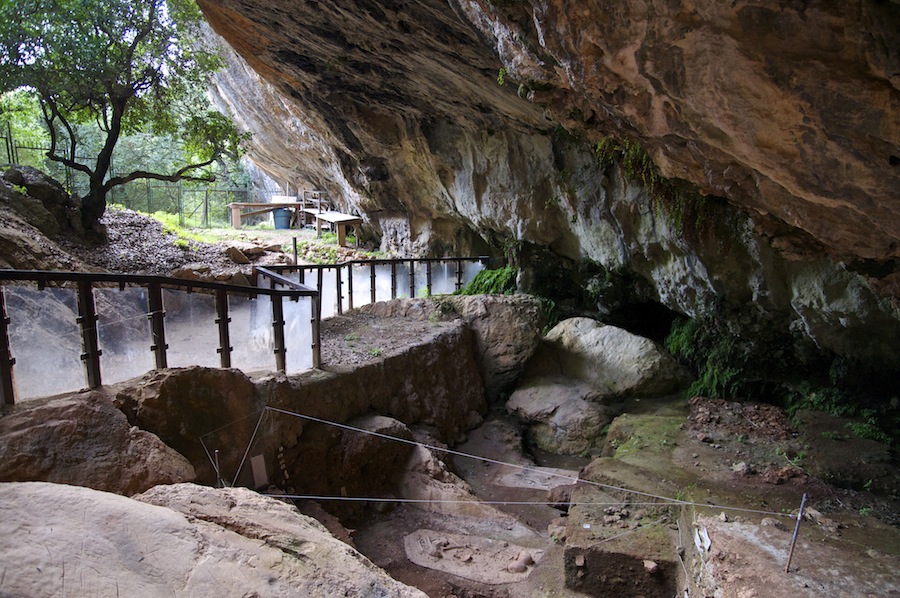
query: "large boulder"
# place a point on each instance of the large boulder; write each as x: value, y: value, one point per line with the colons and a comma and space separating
x: 85, y: 441
x: 612, y: 359
x: 566, y: 416
x: 182, y: 540
x: 55, y: 209
x: 507, y: 332
x: 197, y: 411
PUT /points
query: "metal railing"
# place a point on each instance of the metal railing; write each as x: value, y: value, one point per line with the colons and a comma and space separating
x: 375, y: 280
x: 415, y: 275
x: 85, y: 284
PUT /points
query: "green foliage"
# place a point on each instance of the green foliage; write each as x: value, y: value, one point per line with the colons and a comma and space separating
x: 501, y: 281
x: 376, y: 352
x: 116, y: 67
x: 501, y: 75
x: 674, y: 200
x: 868, y: 430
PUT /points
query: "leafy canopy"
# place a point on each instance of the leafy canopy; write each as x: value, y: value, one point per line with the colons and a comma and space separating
x: 121, y: 66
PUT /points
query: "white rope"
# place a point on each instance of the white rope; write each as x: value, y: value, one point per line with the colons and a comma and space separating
x: 665, y: 499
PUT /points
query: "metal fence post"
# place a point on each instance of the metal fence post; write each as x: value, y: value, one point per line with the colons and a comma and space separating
x: 157, y: 324
x: 315, y: 320
x: 350, y: 285
x: 393, y: 280
x: 7, y: 384
x: 428, y: 276
x: 87, y: 318
x: 372, y: 280
x: 412, y: 279
x: 223, y: 320
x: 339, y: 290
x: 459, y: 274
x: 278, y: 328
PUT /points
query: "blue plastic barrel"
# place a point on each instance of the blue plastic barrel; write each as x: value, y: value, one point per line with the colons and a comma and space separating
x: 282, y: 218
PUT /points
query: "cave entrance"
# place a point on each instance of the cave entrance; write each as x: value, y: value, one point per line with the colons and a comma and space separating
x: 649, y: 319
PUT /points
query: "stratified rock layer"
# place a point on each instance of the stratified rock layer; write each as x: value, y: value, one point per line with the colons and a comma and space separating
x: 789, y: 113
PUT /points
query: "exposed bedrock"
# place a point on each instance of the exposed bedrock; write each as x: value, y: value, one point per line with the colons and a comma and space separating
x: 786, y: 117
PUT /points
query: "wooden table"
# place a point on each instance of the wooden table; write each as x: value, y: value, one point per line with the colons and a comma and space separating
x: 262, y: 208
x: 340, y: 221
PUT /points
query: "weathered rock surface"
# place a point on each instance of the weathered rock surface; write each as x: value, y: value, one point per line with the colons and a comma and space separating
x: 789, y: 113
x: 507, y: 330
x: 615, y: 361
x: 84, y: 440
x: 566, y: 416
x: 174, y: 540
x: 183, y: 406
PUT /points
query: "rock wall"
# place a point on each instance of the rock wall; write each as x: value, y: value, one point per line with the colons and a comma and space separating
x: 788, y: 114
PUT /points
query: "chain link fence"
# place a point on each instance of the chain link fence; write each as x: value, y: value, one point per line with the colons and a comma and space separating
x: 198, y: 205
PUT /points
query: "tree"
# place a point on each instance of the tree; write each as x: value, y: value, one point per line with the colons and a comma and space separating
x: 122, y: 66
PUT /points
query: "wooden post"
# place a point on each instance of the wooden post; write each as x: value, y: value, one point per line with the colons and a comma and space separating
x: 7, y: 382
x: 157, y: 324
x: 87, y: 319
x: 235, y: 215
x: 223, y: 320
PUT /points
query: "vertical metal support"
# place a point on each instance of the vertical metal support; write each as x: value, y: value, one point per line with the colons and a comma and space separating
x: 339, y: 290
x: 7, y: 382
x: 459, y: 274
x: 294, y: 242
x: 223, y: 320
x: 787, y: 568
x: 350, y: 286
x: 278, y: 328
x: 372, y: 280
x: 393, y: 280
x: 315, y: 321
x: 205, y: 219
x: 428, y: 277
x: 319, y: 273
x: 301, y: 275
x: 157, y: 324
x: 90, y: 343
x: 412, y: 279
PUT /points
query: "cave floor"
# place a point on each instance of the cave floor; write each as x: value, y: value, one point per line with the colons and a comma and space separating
x: 849, y: 543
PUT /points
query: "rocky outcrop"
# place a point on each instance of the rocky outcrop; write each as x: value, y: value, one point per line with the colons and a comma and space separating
x: 84, y: 440
x: 174, y: 540
x: 580, y: 370
x: 782, y: 116
x: 616, y: 362
x: 565, y: 416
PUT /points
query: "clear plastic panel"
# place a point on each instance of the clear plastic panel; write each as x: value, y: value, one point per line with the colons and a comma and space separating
x: 470, y: 270
x: 45, y: 340
x: 443, y: 278
x: 328, y: 291
x: 362, y: 284
x: 298, y: 334
x: 403, y: 280
x: 191, y: 330
x: 421, y: 278
x: 251, y: 333
x: 383, y: 282
x: 124, y: 333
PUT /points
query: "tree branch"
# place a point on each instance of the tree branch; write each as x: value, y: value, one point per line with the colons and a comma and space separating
x: 50, y: 121
x: 179, y: 175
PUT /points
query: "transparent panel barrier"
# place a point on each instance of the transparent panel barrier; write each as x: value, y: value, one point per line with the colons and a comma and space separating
x: 420, y: 270
x: 191, y: 330
x: 328, y: 292
x: 362, y: 284
x: 402, y: 280
x: 251, y: 333
x: 45, y: 340
x: 124, y: 332
x: 383, y: 282
x: 470, y: 270
x: 298, y: 334
x: 443, y: 278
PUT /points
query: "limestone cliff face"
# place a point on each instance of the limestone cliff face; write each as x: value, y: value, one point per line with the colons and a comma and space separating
x: 789, y: 114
